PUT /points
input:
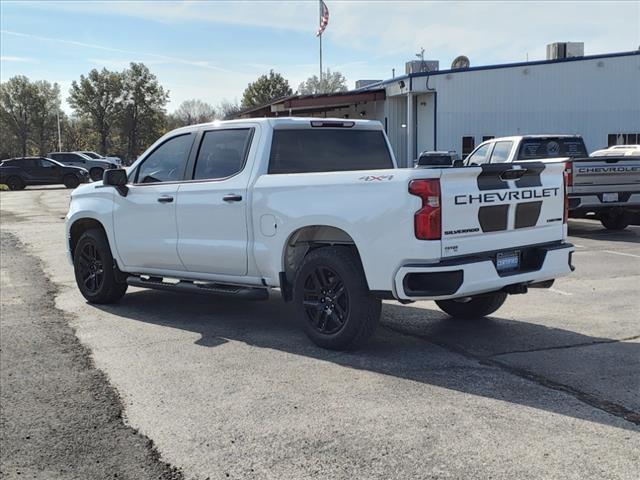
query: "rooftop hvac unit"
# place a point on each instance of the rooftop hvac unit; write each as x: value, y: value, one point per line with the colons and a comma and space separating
x: 560, y: 50
x: 419, y: 66
x: 365, y: 83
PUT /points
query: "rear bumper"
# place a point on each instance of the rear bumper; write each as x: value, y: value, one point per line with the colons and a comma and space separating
x: 594, y: 201
x: 472, y: 275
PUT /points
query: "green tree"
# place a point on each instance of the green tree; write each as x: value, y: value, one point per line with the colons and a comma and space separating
x: 17, y: 97
x: 98, y: 96
x: 77, y: 133
x: 143, y: 114
x: 45, y: 107
x: 265, y: 89
x: 331, y: 82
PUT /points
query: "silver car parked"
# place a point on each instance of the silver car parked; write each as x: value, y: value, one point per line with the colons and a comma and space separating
x: 96, y: 167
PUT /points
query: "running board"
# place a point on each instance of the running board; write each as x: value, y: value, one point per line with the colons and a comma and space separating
x: 202, y: 288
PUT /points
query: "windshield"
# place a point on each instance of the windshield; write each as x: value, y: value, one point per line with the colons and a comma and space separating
x: 91, y: 154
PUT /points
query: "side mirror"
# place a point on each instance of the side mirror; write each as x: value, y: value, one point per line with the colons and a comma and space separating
x: 116, y: 178
x: 458, y: 163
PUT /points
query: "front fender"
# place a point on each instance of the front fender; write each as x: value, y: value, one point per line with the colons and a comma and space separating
x: 92, y: 202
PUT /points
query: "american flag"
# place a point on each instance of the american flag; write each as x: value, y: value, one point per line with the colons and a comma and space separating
x: 324, y: 18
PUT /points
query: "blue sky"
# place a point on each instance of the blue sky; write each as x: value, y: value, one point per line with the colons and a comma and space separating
x: 212, y: 49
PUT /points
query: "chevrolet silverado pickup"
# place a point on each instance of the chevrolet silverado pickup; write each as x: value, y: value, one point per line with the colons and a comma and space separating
x: 317, y: 209
x: 607, y: 186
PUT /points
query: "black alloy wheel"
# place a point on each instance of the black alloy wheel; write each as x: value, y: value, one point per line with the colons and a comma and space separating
x: 325, y: 300
x: 332, y: 299
x: 90, y: 268
x: 71, y: 181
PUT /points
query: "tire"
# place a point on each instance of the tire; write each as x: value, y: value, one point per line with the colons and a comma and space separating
x: 612, y: 220
x: 346, y: 314
x: 15, y: 183
x: 476, y: 307
x: 96, y: 173
x: 95, y: 270
x: 70, y: 181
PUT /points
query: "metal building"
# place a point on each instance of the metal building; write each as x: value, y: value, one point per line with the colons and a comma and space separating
x: 595, y: 96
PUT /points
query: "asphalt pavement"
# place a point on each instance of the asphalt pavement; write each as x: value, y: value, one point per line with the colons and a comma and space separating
x: 548, y: 387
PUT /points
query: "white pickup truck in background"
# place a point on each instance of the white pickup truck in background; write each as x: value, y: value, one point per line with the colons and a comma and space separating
x: 318, y: 209
x: 605, y: 185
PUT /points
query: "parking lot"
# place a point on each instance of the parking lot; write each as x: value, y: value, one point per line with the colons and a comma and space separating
x: 549, y: 387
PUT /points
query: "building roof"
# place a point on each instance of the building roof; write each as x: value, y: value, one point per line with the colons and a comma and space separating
x: 309, y: 104
x: 313, y: 103
x: 500, y: 65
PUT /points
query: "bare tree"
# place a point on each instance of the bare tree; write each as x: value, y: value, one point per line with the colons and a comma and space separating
x: 331, y: 82
x: 228, y: 108
x: 191, y: 112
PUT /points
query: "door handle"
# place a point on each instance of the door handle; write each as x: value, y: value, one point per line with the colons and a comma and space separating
x: 232, y: 197
x: 165, y: 199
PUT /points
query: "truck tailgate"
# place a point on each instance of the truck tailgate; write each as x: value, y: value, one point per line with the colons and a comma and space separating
x: 501, y: 206
x: 623, y: 173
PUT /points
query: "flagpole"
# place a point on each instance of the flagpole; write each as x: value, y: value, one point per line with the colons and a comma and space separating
x: 319, y: 23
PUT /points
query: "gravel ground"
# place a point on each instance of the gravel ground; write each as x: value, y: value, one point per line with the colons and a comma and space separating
x: 59, y: 416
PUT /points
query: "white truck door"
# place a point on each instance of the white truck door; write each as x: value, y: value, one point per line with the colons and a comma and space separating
x: 145, y: 219
x: 212, y: 208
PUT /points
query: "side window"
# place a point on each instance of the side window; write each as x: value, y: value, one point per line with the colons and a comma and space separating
x: 46, y: 163
x: 28, y: 163
x: 480, y: 156
x: 501, y: 151
x: 222, y: 153
x: 166, y: 163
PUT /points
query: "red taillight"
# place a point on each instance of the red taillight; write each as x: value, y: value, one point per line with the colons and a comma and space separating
x: 568, y: 169
x: 567, y: 177
x: 427, y: 220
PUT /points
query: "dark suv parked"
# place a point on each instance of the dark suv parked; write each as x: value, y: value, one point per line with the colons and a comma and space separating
x: 17, y: 173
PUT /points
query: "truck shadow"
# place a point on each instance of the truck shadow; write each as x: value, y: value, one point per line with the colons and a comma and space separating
x: 398, y: 349
x: 593, y: 230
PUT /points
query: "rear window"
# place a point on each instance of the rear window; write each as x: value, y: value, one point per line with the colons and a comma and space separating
x: 531, y: 148
x: 328, y: 150
x: 435, y: 160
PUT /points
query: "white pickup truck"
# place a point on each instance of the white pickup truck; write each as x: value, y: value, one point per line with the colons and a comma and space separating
x: 607, y: 186
x: 318, y: 209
